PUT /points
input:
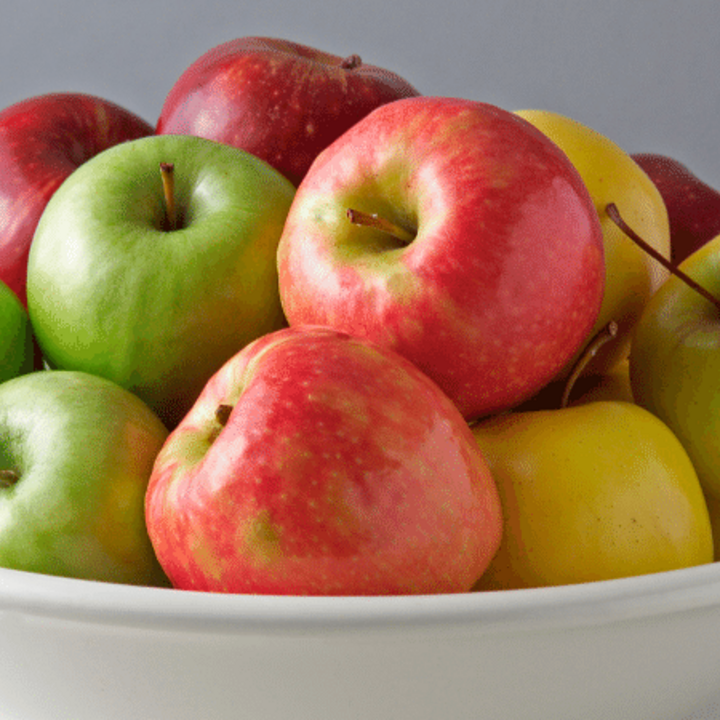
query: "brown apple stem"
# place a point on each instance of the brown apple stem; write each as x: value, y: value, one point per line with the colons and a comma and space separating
x: 8, y: 478
x: 167, y: 171
x: 591, y: 350
x: 373, y: 220
x: 352, y: 62
x: 222, y: 414
x: 615, y: 216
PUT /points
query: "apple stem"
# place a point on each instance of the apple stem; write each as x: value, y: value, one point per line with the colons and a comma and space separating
x: 8, y: 478
x: 615, y: 216
x: 167, y: 171
x: 352, y: 62
x: 222, y: 414
x: 357, y: 217
x: 591, y: 350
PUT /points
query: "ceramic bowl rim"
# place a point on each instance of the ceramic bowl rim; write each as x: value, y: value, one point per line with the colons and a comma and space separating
x: 85, y: 601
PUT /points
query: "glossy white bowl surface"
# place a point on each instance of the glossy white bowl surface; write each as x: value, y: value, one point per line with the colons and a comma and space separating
x: 632, y: 649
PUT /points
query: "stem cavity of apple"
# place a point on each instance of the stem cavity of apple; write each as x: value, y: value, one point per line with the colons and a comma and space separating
x: 352, y: 62
x: 8, y: 478
x: 614, y: 214
x: 605, y: 335
x: 373, y: 220
x: 167, y: 172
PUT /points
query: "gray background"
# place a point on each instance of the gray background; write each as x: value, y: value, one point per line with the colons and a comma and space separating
x: 646, y: 73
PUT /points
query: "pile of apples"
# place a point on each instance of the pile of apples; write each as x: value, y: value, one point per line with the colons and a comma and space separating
x: 316, y: 333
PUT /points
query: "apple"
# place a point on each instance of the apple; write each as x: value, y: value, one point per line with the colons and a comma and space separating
x: 17, y: 351
x: 693, y: 206
x: 456, y: 234
x: 42, y: 140
x: 279, y: 100
x: 675, y: 361
x: 316, y: 463
x: 76, y: 453
x: 598, y: 491
x: 155, y: 262
x: 631, y: 275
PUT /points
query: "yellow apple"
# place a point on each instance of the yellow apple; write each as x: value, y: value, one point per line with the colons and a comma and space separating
x: 611, y: 175
x: 593, y: 492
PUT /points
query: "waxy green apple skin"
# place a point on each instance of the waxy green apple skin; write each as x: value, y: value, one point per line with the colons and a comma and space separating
x: 503, y: 276
x: 43, y: 139
x: 17, y: 351
x: 112, y: 292
x: 316, y: 463
x: 79, y: 450
x: 675, y: 361
x: 593, y: 492
x: 279, y: 100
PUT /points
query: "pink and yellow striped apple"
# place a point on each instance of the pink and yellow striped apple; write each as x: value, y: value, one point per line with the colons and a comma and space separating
x: 316, y: 463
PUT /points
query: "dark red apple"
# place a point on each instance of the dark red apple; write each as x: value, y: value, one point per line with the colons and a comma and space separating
x: 693, y: 206
x: 42, y: 140
x: 280, y: 101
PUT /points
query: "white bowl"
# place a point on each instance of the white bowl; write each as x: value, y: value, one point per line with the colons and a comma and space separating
x: 645, y: 647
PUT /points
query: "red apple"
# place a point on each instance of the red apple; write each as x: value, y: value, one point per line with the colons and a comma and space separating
x: 42, y: 140
x: 472, y: 247
x: 693, y: 206
x: 280, y: 101
x: 317, y: 463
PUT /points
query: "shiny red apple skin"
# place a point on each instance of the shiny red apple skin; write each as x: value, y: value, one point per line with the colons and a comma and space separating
x: 342, y: 470
x: 693, y: 206
x: 279, y: 100
x: 504, y: 278
x: 42, y: 140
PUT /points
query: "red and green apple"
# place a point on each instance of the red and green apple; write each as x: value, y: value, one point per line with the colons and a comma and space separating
x: 456, y: 234
x: 316, y: 463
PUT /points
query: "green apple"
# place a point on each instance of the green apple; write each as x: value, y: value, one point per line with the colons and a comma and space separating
x: 76, y: 453
x: 611, y: 175
x: 154, y: 282
x: 16, y: 341
x: 598, y: 491
x: 675, y: 361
